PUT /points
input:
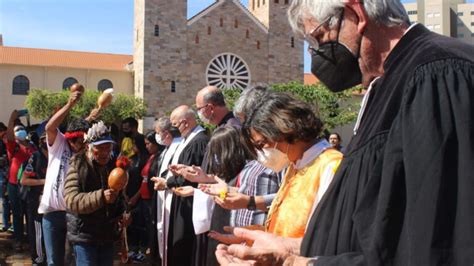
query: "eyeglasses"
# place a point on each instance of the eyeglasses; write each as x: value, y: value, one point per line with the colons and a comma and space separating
x: 311, y: 39
x: 204, y: 106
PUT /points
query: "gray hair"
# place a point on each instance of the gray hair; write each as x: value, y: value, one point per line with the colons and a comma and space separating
x: 163, y: 123
x: 248, y: 100
x: 387, y: 12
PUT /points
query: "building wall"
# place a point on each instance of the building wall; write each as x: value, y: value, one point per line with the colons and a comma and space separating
x: 225, y: 39
x: 161, y: 60
x: 52, y: 78
x: 454, y: 18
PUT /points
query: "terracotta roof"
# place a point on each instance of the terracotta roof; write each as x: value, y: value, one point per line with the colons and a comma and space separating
x: 310, y: 79
x: 67, y: 59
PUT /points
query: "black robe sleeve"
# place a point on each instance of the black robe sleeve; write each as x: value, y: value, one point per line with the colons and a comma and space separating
x: 192, y: 154
x: 420, y: 210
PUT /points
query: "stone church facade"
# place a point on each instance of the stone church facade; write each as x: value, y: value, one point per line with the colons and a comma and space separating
x: 227, y: 44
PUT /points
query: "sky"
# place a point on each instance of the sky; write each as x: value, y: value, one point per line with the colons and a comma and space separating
x: 103, y: 26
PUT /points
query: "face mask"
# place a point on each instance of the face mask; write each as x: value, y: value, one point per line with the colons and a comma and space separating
x: 127, y: 134
x: 21, y: 134
x: 203, y: 118
x: 273, y: 158
x: 335, y: 65
x: 159, y: 140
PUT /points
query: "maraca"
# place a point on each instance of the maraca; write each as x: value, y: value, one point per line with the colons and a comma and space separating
x: 105, y: 98
x: 118, y: 179
x: 77, y: 87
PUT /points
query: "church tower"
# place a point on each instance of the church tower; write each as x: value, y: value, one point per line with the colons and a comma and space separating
x: 160, y: 56
x: 285, y: 58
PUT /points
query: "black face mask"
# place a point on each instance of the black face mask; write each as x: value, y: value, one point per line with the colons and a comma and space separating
x: 175, y: 131
x: 336, y: 66
x: 127, y: 134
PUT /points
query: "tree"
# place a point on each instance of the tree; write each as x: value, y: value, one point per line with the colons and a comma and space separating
x: 42, y: 103
x: 334, y: 109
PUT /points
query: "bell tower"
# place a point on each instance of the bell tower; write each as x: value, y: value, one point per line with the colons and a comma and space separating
x: 159, y: 58
x: 285, y: 58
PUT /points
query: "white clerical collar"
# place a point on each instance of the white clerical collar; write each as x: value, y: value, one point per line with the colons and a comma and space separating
x: 312, y: 153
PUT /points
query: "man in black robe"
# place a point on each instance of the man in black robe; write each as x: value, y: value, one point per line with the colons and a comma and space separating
x: 181, y: 236
x: 403, y: 193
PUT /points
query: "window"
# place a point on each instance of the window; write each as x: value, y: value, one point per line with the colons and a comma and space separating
x: 430, y: 15
x: 21, y: 85
x: 460, y: 14
x: 209, y: 30
x: 437, y: 14
x: 104, y: 84
x: 287, y: 2
x: 67, y: 83
x: 196, y: 39
x: 228, y: 71
x: 472, y: 35
x: 472, y: 23
x: 292, y: 41
x: 236, y: 23
x: 157, y: 30
x: 247, y: 34
x: 472, y: 13
x: 460, y: 35
x: 263, y: 2
x: 173, y: 86
x: 412, y: 12
x: 221, y: 22
x: 430, y: 27
x: 276, y: 1
x: 437, y: 26
x: 258, y: 44
x: 258, y: 3
x: 253, y: 4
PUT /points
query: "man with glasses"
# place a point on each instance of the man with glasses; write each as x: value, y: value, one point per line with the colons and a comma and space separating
x: 60, y: 149
x: 212, y: 109
x: 403, y: 192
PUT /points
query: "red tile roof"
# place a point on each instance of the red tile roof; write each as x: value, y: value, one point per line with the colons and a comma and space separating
x: 67, y: 59
x: 310, y: 79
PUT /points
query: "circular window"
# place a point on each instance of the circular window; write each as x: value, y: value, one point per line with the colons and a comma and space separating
x: 228, y: 71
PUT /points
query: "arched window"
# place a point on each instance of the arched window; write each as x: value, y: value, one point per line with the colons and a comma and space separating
x: 157, y: 30
x: 236, y: 23
x: 292, y: 42
x: 21, y: 85
x: 258, y: 3
x: 258, y: 44
x: 247, y: 34
x: 104, y: 84
x: 209, y: 30
x: 263, y: 2
x: 221, y: 23
x: 67, y: 83
x: 196, y: 40
x: 253, y: 4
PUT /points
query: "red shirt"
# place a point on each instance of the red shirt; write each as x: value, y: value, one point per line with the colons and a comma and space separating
x: 17, y: 154
x: 144, y: 191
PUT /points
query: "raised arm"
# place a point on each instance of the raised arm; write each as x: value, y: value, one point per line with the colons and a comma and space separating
x: 59, y: 116
x: 11, y: 124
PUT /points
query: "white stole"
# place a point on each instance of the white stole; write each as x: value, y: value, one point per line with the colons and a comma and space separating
x: 163, y: 221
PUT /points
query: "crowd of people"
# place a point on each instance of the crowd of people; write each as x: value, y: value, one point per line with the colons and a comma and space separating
x: 264, y: 186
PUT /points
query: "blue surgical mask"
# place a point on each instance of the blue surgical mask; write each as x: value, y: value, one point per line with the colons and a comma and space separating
x: 21, y: 134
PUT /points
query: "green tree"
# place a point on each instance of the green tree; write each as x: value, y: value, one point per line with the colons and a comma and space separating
x: 42, y: 103
x: 334, y: 109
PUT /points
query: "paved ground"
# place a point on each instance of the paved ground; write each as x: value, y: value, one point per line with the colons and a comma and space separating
x: 8, y: 256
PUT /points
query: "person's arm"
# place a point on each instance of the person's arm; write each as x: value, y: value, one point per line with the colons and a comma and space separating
x: 53, y: 123
x: 81, y: 202
x: 27, y: 180
x: 11, y: 124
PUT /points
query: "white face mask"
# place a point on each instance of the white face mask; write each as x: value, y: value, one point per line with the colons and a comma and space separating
x: 273, y: 158
x: 159, y: 140
x: 203, y: 118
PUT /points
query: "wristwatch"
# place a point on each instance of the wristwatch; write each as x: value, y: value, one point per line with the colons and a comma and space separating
x: 251, y: 206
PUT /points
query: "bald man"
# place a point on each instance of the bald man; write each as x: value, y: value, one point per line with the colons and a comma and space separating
x: 178, y: 233
x: 212, y: 109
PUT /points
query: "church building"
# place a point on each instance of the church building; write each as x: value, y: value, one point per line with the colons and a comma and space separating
x: 227, y: 45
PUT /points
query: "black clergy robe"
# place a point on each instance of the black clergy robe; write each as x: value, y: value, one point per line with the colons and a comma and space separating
x: 403, y: 194
x: 181, y: 236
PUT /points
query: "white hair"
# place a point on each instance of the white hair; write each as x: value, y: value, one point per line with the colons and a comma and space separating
x: 386, y: 12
